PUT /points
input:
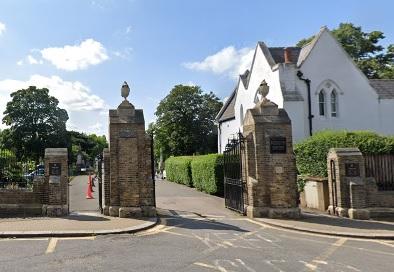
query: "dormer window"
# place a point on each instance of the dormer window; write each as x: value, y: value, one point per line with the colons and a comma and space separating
x: 322, y: 103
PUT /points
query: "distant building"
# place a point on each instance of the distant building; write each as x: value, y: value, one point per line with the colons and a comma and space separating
x: 341, y: 96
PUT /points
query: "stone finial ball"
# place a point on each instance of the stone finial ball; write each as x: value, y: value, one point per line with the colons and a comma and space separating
x: 125, y: 90
x: 263, y: 89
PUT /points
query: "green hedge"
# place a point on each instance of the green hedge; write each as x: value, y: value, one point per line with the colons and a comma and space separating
x: 178, y: 170
x: 207, y: 173
x: 311, y: 154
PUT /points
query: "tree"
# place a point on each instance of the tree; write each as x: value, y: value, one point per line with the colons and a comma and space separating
x: 35, y: 122
x: 364, y: 48
x: 89, y: 145
x: 185, y: 122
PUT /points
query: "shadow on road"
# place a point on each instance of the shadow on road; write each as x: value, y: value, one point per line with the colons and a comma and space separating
x: 171, y: 218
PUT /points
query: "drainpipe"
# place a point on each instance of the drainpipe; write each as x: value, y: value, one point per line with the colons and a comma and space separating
x: 308, y: 85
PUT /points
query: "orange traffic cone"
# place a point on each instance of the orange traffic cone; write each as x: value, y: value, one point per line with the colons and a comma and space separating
x: 90, y: 182
x: 89, y: 191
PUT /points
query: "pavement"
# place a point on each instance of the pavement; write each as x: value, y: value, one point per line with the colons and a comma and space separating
x: 84, y: 219
x: 196, y: 233
x: 176, y: 200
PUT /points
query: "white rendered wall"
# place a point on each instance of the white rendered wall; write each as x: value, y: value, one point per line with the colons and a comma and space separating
x: 297, y: 115
x: 386, y: 116
x: 227, y: 130
x: 357, y: 100
x: 261, y: 70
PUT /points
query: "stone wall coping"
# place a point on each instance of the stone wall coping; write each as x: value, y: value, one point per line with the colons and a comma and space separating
x: 346, y: 151
x: 56, y: 152
x: 312, y: 178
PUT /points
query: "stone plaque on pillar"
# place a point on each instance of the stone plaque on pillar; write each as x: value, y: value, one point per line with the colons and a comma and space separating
x: 346, y: 183
x: 129, y: 188
x: 56, y: 173
x: 271, y: 169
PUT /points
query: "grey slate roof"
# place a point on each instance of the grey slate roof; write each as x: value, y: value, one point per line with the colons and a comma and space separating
x: 384, y: 87
x: 227, y: 111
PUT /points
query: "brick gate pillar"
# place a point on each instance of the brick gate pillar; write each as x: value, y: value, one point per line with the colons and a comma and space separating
x: 131, y: 188
x: 270, y: 162
x: 56, y: 175
x: 346, y: 183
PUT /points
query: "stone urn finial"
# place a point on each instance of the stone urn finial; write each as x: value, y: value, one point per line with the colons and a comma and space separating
x: 125, y: 90
x: 263, y: 90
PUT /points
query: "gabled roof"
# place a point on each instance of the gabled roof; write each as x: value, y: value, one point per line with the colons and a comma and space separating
x: 383, y: 87
x: 227, y: 111
x: 307, y: 48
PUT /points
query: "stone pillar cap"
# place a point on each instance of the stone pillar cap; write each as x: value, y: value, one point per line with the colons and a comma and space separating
x: 346, y: 151
x: 55, y: 151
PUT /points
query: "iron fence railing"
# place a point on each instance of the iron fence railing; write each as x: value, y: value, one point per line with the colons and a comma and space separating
x: 15, y: 173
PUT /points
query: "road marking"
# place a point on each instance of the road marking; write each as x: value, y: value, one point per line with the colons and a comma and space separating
x: 24, y: 239
x: 321, y: 259
x: 51, y: 246
x: 386, y: 243
x: 207, y: 266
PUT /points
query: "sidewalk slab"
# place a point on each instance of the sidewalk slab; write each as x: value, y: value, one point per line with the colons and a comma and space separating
x: 74, y: 225
x: 335, y: 226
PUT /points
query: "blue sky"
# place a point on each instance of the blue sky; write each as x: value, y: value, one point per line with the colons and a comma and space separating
x: 83, y: 49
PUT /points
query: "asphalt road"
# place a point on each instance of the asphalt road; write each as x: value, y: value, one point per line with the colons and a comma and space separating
x: 77, y: 190
x: 189, y: 239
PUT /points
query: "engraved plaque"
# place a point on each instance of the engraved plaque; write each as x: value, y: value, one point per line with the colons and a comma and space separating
x: 126, y: 134
x: 278, y: 145
x: 352, y: 169
x: 55, y: 169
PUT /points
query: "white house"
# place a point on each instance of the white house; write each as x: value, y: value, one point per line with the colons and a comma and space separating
x: 318, y: 85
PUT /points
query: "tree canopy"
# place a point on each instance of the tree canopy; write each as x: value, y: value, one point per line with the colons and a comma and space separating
x: 185, y: 122
x: 88, y: 145
x: 35, y: 122
x: 375, y: 60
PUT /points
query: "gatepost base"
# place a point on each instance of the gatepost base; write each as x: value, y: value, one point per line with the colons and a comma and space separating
x: 256, y: 212
x: 362, y: 214
x: 113, y: 211
x: 56, y: 210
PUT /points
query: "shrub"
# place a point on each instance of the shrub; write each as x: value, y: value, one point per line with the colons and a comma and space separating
x: 178, y: 170
x: 207, y: 173
x: 311, y: 154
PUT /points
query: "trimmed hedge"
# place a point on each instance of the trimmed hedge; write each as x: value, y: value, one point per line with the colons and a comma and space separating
x: 207, y: 173
x: 204, y: 172
x: 178, y: 170
x: 311, y: 154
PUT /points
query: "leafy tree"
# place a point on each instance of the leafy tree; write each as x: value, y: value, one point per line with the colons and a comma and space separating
x: 185, y: 122
x: 89, y: 145
x: 35, y: 122
x: 371, y: 57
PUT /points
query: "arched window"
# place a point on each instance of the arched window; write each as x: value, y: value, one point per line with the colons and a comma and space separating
x: 334, y: 103
x: 322, y: 103
x: 241, y: 114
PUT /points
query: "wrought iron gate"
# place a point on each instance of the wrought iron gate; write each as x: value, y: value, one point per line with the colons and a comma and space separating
x: 234, y: 183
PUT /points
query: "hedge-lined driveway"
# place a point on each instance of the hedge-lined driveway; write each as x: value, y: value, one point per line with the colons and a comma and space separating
x: 179, y: 198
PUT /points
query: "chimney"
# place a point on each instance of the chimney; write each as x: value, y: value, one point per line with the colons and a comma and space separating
x: 287, y: 53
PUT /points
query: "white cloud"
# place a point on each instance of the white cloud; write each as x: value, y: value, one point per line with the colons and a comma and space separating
x: 20, y: 62
x: 32, y: 60
x: 2, y: 28
x: 83, y: 106
x: 228, y: 61
x: 124, y: 54
x: 128, y: 29
x: 76, y: 57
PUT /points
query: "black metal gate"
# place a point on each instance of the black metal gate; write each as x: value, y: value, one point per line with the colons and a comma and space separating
x: 234, y: 183
x: 333, y: 186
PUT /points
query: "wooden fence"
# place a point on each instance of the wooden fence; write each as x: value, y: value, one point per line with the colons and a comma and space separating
x: 381, y: 167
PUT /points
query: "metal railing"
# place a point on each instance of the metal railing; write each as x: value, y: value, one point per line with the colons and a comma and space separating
x: 17, y: 174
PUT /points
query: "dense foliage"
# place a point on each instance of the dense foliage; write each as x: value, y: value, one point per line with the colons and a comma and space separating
x: 204, y: 172
x: 185, y: 122
x: 207, y: 173
x: 35, y: 122
x: 373, y: 59
x: 178, y: 169
x: 311, y: 154
x: 88, y: 145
